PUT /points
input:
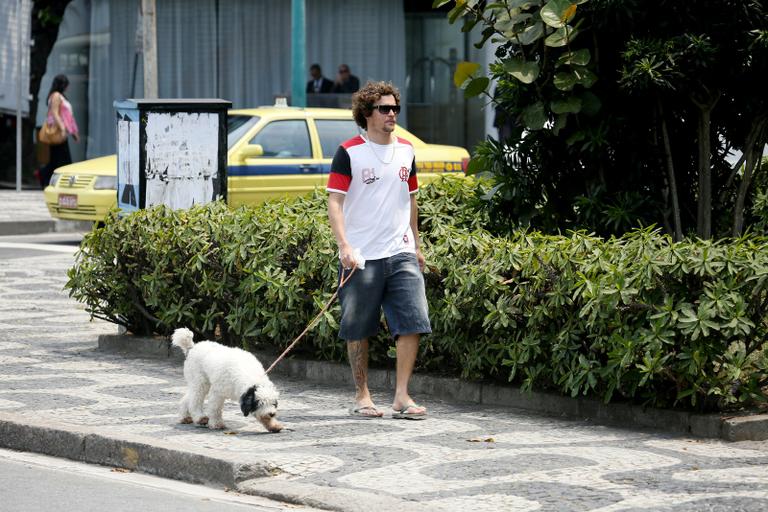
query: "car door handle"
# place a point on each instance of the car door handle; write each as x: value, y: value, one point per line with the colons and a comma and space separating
x: 309, y: 168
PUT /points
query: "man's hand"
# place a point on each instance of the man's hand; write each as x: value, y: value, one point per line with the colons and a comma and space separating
x: 421, y: 259
x: 347, y: 256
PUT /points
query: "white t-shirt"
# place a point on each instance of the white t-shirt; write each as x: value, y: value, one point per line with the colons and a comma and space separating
x: 378, y: 181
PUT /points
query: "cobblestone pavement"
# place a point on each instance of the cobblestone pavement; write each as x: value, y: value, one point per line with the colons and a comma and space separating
x: 462, y: 457
x: 27, y: 205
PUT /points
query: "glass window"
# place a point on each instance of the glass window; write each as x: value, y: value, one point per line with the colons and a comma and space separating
x: 333, y: 132
x: 237, y: 126
x: 284, y: 139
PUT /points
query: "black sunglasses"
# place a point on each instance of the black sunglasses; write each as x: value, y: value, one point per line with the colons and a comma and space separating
x: 386, y: 109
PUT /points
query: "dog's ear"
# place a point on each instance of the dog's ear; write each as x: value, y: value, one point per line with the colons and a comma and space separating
x: 248, y: 401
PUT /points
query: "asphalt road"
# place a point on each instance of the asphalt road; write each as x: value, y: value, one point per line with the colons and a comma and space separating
x: 22, y: 246
x: 36, y: 483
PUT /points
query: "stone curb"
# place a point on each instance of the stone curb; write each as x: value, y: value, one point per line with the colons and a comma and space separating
x: 130, y: 452
x: 729, y: 428
x: 184, y: 463
x: 36, y: 227
x: 745, y: 428
x: 331, y: 498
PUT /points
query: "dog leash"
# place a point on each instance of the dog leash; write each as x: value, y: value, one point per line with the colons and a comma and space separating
x: 312, y: 322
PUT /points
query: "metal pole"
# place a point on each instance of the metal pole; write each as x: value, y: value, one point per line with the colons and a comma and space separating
x: 298, y: 54
x: 150, y: 47
x: 19, y: 67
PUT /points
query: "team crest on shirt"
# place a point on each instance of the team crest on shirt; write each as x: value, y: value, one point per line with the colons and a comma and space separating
x: 369, y: 176
x: 404, y: 173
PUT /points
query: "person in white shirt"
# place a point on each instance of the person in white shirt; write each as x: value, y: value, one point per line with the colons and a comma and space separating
x: 373, y: 213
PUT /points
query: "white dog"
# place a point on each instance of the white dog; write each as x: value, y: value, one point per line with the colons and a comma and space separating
x: 222, y: 372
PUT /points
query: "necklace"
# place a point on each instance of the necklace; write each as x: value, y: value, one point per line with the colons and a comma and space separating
x: 373, y: 150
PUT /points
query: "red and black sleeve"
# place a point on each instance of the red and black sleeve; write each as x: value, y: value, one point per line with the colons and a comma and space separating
x: 413, y: 182
x: 340, y: 176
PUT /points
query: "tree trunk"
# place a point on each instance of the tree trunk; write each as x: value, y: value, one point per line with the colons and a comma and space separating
x: 753, y: 151
x: 670, y: 174
x: 738, y: 208
x: 704, y: 218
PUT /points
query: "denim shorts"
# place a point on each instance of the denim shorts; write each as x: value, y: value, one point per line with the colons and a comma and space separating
x: 395, y: 284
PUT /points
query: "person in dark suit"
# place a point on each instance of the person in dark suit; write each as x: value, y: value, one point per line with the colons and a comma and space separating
x: 346, y: 82
x: 318, y: 83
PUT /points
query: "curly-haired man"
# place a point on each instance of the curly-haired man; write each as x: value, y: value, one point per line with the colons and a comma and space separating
x: 372, y: 209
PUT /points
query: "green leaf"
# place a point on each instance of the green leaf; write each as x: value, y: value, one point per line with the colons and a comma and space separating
x: 560, y: 123
x: 469, y: 24
x: 524, y: 71
x: 565, y: 80
x: 577, y: 58
x: 535, y: 116
x: 474, y: 166
x: 557, y: 13
x: 571, y: 105
x: 561, y: 37
x: 522, y: 4
x: 585, y: 77
x: 492, y: 192
x: 477, y: 86
x: 590, y: 103
x: 506, y: 25
x: 531, y: 33
x: 575, y: 138
x: 488, y: 32
x: 439, y: 3
x: 458, y: 10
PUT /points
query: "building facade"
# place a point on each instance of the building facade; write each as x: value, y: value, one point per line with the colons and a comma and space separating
x: 239, y: 50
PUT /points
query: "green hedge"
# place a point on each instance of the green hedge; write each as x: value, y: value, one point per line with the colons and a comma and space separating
x: 637, y: 317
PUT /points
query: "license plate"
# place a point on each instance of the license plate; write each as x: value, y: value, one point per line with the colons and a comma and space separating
x: 67, y: 201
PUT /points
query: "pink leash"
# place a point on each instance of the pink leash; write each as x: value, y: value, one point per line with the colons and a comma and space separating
x: 312, y: 323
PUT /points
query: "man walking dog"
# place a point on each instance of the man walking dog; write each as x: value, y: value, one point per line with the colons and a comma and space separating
x: 374, y: 217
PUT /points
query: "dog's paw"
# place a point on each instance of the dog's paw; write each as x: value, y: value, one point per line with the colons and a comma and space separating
x: 202, y: 421
x: 186, y: 420
x: 271, y: 424
x: 216, y: 426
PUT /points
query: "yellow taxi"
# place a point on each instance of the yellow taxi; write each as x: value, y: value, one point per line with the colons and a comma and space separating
x: 272, y: 152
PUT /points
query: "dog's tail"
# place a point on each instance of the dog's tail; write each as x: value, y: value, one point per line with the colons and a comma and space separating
x: 183, y: 338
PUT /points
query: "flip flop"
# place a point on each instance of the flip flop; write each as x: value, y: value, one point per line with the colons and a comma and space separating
x: 361, y: 412
x: 403, y: 413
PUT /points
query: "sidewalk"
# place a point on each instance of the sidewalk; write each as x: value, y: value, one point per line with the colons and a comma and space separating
x: 61, y: 395
x: 24, y: 213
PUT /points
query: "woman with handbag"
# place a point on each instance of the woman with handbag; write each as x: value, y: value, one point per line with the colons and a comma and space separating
x: 58, y: 124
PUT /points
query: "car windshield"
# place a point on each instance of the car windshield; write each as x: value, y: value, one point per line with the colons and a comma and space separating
x: 237, y: 125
